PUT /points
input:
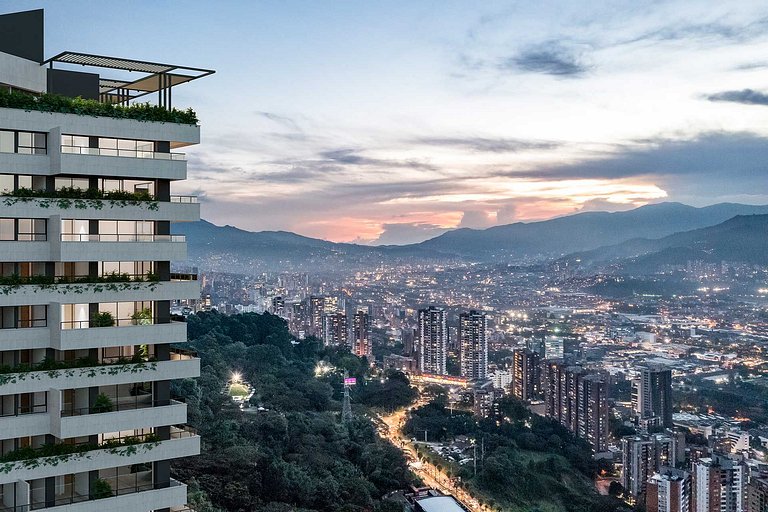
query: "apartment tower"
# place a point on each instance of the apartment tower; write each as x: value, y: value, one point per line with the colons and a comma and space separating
x: 432, y: 337
x: 88, y: 422
x: 652, y: 396
x: 474, y: 345
x: 361, y: 334
x: 526, y: 379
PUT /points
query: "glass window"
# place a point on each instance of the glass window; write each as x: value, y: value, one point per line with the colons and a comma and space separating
x: 7, y: 141
x: 7, y: 229
x: 32, y: 143
x: 6, y: 183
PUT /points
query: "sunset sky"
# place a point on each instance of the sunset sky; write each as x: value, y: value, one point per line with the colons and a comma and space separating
x: 391, y: 122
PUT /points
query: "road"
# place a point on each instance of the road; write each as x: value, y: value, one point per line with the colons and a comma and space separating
x: 430, y: 474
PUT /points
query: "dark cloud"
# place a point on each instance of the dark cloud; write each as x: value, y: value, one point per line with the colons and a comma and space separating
x: 284, y: 121
x: 751, y: 65
x: 718, y: 160
x: 488, y: 145
x: 354, y: 158
x: 407, y: 233
x: 549, y: 58
x: 746, y: 96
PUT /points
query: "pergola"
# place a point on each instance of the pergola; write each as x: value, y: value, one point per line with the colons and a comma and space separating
x: 159, y: 78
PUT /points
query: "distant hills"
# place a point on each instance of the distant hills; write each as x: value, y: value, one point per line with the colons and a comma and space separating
x: 743, y: 238
x: 582, y: 231
x: 663, y: 231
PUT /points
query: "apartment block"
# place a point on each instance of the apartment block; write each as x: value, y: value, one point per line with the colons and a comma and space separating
x: 87, y: 419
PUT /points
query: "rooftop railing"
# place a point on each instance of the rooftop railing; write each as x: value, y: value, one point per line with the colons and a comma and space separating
x: 184, y: 199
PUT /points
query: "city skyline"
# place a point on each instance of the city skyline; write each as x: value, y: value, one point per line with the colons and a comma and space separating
x: 424, y: 117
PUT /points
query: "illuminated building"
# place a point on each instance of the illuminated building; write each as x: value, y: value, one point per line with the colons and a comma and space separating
x: 432, y: 338
x: 474, y: 345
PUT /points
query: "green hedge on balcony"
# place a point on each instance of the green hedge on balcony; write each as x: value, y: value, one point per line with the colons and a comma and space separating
x: 80, y: 106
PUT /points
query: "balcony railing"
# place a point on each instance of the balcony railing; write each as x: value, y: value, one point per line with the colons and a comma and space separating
x: 184, y: 199
x: 119, y: 322
x: 23, y: 411
x: 180, y: 354
x: 183, y: 276
x: 129, y: 153
x: 119, y: 406
x: 130, y: 237
x: 141, y: 482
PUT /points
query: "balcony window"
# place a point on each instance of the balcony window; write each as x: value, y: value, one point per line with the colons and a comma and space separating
x: 23, y: 403
x: 28, y: 143
x: 23, y: 230
x: 19, y: 317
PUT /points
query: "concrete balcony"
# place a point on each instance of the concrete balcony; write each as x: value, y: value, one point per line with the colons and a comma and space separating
x: 157, y: 248
x: 117, y: 166
x: 28, y: 251
x: 178, y: 134
x: 93, y: 460
x: 25, y: 338
x: 65, y: 427
x: 151, y: 499
x: 100, y: 337
x: 30, y: 294
x: 23, y: 425
x: 38, y: 208
x: 72, y: 378
x: 25, y: 164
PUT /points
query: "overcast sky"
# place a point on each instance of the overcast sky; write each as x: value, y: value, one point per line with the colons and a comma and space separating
x: 392, y: 121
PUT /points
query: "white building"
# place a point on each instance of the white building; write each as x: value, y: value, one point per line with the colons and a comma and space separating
x: 86, y: 285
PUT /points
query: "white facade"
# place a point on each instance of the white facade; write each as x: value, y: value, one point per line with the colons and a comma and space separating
x: 87, y: 359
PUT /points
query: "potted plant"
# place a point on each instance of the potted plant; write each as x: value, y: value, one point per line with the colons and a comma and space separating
x: 143, y: 317
x: 102, y: 319
x: 100, y: 489
x: 102, y: 404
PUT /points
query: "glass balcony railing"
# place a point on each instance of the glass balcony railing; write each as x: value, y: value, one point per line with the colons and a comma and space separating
x: 184, y: 199
x: 128, y: 237
x: 118, y: 405
x: 129, y: 153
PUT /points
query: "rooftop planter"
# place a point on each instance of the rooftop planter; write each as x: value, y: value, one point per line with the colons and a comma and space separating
x: 83, y: 107
x: 78, y: 198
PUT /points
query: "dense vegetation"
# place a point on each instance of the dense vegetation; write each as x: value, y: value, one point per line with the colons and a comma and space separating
x: 83, y: 107
x: 289, y: 451
x: 531, y: 463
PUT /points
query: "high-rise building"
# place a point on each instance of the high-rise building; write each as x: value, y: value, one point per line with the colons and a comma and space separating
x: 525, y: 374
x: 432, y: 338
x: 552, y: 372
x: 642, y: 456
x: 593, y: 411
x: 68, y: 341
x: 757, y: 495
x: 669, y: 490
x: 536, y: 344
x: 315, y: 313
x: 361, y: 334
x: 335, y: 329
x: 553, y: 347
x: 652, y: 395
x: 474, y: 345
x: 578, y: 400
x: 719, y: 484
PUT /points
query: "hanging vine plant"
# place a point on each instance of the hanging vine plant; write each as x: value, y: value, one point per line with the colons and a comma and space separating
x: 55, y: 454
x: 81, y: 199
x: 112, y: 282
x: 56, y: 369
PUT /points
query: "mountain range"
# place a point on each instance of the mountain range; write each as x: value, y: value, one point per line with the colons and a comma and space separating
x: 592, y: 237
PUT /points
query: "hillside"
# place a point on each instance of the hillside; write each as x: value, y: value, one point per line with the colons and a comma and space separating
x: 743, y: 238
x: 583, y: 231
